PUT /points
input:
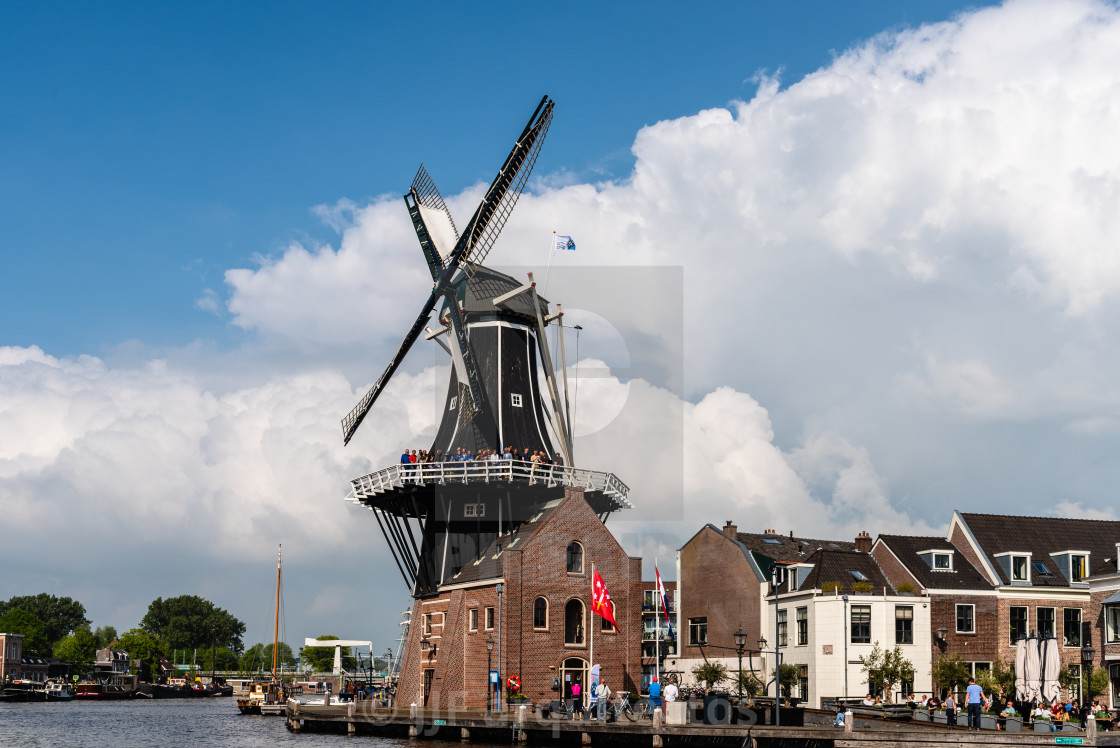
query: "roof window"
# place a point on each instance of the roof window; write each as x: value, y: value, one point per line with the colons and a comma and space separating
x: 858, y: 575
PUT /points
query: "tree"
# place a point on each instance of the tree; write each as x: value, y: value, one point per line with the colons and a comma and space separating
x: 710, y: 672
x: 1096, y: 684
x: 950, y: 672
x: 20, y: 621
x: 78, y: 650
x: 1069, y: 678
x: 321, y: 659
x: 258, y: 658
x: 885, y: 668
x: 1001, y: 678
x: 788, y: 677
x: 190, y: 622
x: 223, y: 659
x: 104, y: 635
x: 144, y: 647
x: 750, y: 683
x: 60, y: 615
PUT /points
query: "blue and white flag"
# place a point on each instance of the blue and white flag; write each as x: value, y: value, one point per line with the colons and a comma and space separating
x: 562, y: 242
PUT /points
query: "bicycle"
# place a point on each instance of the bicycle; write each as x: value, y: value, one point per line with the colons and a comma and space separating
x: 630, y: 711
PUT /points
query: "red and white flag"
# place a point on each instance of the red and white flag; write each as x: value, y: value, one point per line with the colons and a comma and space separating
x: 601, y: 599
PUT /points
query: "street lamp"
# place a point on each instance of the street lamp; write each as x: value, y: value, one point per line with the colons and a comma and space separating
x: 489, y: 649
x: 740, y: 646
x: 1087, y: 655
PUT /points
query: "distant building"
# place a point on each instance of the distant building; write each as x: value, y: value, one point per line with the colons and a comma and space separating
x: 110, y: 660
x: 11, y: 664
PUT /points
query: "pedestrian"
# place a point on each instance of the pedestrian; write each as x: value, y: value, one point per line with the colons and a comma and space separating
x: 951, y: 712
x: 654, y: 696
x: 975, y: 701
x: 577, y: 701
x: 603, y: 692
x: 671, y: 693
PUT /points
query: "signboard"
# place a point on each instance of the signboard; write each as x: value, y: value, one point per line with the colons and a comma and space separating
x: 439, y: 722
x: 493, y: 676
x: 1069, y: 741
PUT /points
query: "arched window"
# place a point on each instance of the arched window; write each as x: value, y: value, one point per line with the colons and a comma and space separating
x: 575, y: 557
x: 573, y: 622
x: 540, y: 613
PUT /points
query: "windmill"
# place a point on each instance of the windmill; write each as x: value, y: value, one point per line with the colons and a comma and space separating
x: 494, y: 329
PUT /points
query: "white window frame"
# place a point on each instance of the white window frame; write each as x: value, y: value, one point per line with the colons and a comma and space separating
x: 454, y: 403
x: 1112, y: 627
x: 515, y: 399
x: 1053, y: 619
x: 472, y: 619
x: 958, y: 617
x: 1080, y: 628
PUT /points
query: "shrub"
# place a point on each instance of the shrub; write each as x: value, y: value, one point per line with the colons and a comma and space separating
x: 906, y: 588
x: 863, y: 587
x: 831, y: 588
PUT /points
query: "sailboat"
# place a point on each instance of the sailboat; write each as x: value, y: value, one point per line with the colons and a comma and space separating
x: 268, y: 696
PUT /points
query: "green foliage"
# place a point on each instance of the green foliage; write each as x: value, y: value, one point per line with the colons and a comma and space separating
x: 190, y: 622
x: 1069, y: 678
x: 20, y: 621
x: 710, y: 672
x: 750, y: 683
x: 144, y: 647
x: 59, y: 615
x: 258, y: 658
x: 950, y: 672
x: 788, y: 677
x: 104, y: 635
x: 321, y: 659
x: 78, y: 650
x: 1000, y: 678
x: 905, y: 588
x: 886, y: 667
x: 1096, y: 684
x: 223, y: 659
x: 863, y: 587
x: 831, y: 588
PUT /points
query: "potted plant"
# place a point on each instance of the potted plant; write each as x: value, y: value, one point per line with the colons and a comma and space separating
x: 939, y: 717
x: 921, y: 715
x: 862, y: 588
x: 831, y: 588
x: 1013, y: 724
x: 988, y: 720
x: 1042, y: 724
x: 905, y: 589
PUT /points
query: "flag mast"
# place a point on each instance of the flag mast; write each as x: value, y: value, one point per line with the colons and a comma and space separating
x: 657, y: 626
x: 591, y: 623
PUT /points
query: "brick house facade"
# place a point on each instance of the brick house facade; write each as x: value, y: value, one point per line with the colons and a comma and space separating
x: 541, y: 622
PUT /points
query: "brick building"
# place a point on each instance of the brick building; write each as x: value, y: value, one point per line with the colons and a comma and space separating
x: 529, y: 594
x: 723, y: 579
x: 964, y: 618
x: 11, y: 657
x: 839, y: 611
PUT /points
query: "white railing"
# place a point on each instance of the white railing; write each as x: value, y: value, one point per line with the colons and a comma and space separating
x: 487, y: 471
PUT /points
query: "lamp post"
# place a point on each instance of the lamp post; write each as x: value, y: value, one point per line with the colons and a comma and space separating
x: 740, y: 647
x: 489, y: 650
x: 498, y: 686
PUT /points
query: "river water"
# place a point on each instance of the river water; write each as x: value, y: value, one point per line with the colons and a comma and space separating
x: 171, y: 722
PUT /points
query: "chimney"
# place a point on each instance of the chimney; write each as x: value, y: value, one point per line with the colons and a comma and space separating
x: 863, y: 542
x: 730, y: 530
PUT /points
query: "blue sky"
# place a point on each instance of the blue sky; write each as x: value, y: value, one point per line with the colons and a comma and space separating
x: 894, y: 226
x: 148, y: 148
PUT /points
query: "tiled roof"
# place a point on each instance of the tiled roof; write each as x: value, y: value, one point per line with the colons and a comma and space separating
x: 963, y: 575
x: 1041, y: 536
x: 836, y: 566
x: 489, y: 564
x: 787, y: 548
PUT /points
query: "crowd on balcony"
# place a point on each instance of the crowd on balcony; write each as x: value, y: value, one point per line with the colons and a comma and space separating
x: 537, y: 456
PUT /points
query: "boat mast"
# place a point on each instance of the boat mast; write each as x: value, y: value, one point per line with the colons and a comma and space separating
x: 276, y: 625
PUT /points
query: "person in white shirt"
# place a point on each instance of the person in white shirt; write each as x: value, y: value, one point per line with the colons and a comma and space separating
x: 671, y: 692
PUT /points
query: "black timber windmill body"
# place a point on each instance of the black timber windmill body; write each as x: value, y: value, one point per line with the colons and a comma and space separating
x: 441, y: 520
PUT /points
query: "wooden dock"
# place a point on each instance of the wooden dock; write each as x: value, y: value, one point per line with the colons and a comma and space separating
x: 362, y: 718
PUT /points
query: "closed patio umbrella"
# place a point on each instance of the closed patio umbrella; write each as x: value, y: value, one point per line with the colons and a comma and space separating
x: 1021, y: 692
x: 1050, y: 666
x: 1032, y: 670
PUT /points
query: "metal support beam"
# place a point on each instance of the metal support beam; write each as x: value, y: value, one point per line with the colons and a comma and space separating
x: 542, y: 341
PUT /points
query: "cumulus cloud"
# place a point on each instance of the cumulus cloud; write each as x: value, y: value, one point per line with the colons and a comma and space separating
x: 899, y: 280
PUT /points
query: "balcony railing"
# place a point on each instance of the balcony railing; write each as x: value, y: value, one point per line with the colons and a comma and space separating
x: 488, y: 471
x: 649, y: 635
x: 648, y: 606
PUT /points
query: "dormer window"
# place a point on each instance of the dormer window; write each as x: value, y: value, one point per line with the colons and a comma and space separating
x: 515, y: 400
x: 1078, y: 567
x: 454, y: 402
x: 859, y: 576
x: 1016, y: 566
x: 937, y: 560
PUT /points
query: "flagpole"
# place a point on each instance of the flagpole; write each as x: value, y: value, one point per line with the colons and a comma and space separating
x: 551, y: 251
x: 657, y: 625
x: 591, y: 623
